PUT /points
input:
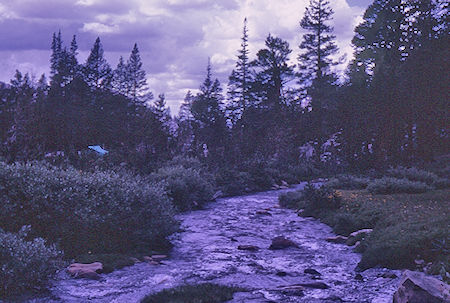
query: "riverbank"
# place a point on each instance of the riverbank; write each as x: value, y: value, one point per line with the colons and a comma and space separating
x: 409, y: 230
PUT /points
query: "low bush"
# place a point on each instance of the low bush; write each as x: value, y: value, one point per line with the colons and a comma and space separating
x: 398, y: 245
x: 389, y: 185
x: 25, y: 264
x: 318, y: 199
x: 101, y: 212
x: 405, y: 227
x: 348, y: 182
x: 186, y: 162
x: 291, y: 199
x: 415, y: 174
x: 186, y: 186
x: 232, y: 182
x: 202, y: 293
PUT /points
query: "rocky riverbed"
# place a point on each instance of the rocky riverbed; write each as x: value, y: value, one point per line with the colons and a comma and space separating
x: 228, y: 243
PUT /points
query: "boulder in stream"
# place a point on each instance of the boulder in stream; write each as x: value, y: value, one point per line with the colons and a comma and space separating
x: 281, y: 243
x: 248, y: 247
x: 312, y: 271
x: 358, y: 236
x: 416, y: 287
x: 85, y: 271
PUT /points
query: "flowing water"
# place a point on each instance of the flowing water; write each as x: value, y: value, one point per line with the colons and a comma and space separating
x: 206, y: 250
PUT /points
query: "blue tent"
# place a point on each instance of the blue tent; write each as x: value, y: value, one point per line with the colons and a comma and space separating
x: 98, y: 149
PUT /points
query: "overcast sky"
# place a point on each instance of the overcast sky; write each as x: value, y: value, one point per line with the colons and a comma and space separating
x: 175, y: 37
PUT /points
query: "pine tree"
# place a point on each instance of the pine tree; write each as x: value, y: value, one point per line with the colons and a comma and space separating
x: 96, y: 71
x: 56, y: 59
x: 72, y: 62
x: 185, y: 107
x: 240, y: 80
x: 208, y: 115
x: 380, y: 40
x: 161, y: 110
x: 138, y: 90
x: 272, y: 71
x: 318, y: 44
x: 315, y: 61
x: 63, y: 62
x: 120, y: 81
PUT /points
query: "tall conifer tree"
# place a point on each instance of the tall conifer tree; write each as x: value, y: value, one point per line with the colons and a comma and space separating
x: 137, y: 80
x: 240, y: 80
x: 96, y: 70
x: 318, y: 44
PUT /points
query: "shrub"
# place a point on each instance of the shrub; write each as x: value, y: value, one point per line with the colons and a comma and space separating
x: 187, y: 188
x: 233, y: 182
x: 319, y: 199
x: 99, y: 212
x: 262, y: 177
x: 291, y: 199
x: 186, y: 162
x: 389, y: 185
x: 397, y: 246
x: 202, y: 293
x: 414, y: 174
x: 24, y: 264
x: 348, y: 182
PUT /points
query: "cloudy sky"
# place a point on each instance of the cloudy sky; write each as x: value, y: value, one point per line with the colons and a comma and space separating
x: 175, y: 37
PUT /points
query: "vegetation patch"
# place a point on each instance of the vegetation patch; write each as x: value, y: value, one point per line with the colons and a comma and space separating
x: 25, y: 264
x: 389, y: 185
x: 201, y: 293
x: 348, y: 182
x: 98, y: 212
x: 406, y: 227
x: 187, y: 188
x: 415, y: 174
x: 318, y: 199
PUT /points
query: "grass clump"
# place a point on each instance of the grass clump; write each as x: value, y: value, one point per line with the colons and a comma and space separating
x: 98, y: 212
x: 389, y: 185
x: 202, y: 293
x: 25, y: 264
x: 348, y: 182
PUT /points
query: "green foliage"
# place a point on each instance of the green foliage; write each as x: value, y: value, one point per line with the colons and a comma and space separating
x: 233, y: 182
x: 202, y: 293
x: 97, y: 212
x: 405, y: 226
x: 389, y: 185
x: 415, y: 174
x: 24, y: 264
x: 348, y: 182
x: 398, y: 245
x: 291, y: 199
x: 319, y: 199
x: 186, y: 162
x: 187, y: 188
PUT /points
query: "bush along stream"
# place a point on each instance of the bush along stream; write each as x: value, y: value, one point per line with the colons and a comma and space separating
x: 261, y: 252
